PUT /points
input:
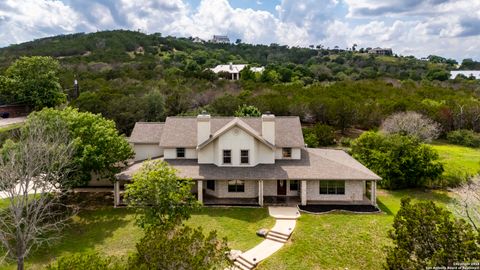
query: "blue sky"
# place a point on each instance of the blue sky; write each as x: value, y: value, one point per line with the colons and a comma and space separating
x: 450, y: 28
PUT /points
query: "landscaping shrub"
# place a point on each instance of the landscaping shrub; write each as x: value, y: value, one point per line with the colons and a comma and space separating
x: 319, y: 135
x: 346, y: 141
x: 427, y: 236
x: 401, y: 161
x: 413, y: 124
x: 180, y: 248
x: 85, y: 261
x: 464, y: 137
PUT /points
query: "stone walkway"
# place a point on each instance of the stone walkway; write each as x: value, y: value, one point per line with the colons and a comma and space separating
x: 280, y: 233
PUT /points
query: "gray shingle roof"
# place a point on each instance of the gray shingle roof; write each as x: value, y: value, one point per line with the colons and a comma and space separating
x: 316, y: 164
x: 182, y: 131
x: 146, y: 132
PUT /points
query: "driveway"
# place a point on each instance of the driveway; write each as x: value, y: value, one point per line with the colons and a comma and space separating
x: 10, y: 121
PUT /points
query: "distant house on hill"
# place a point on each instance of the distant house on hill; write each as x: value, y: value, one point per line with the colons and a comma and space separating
x: 234, y: 70
x: 198, y: 40
x: 381, y: 51
x: 220, y: 39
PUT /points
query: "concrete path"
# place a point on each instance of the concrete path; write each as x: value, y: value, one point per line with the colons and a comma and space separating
x: 10, y: 121
x: 280, y: 233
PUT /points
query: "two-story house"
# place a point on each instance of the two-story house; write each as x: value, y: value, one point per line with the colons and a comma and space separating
x: 251, y: 160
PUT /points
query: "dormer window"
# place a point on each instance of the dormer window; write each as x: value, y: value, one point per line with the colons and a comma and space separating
x: 227, y: 156
x: 244, y: 157
x: 287, y: 152
x: 180, y: 152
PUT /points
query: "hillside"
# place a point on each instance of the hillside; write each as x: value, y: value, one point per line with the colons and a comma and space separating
x: 130, y: 76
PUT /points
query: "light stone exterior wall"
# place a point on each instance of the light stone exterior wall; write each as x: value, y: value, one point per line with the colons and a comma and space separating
x: 270, y: 188
x: 296, y: 153
x: 171, y: 153
x: 221, y: 190
x: 146, y: 151
x: 354, y: 191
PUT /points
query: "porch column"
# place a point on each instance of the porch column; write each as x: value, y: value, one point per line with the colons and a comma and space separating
x: 373, y: 192
x: 116, y: 193
x: 303, y: 192
x: 260, y: 192
x: 200, y: 191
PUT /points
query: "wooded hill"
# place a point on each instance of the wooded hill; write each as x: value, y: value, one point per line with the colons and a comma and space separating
x: 130, y: 76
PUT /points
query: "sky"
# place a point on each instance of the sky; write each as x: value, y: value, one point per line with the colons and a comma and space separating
x: 450, y: 28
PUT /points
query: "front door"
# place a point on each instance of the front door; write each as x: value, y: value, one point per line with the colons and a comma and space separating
x: 281, y: 187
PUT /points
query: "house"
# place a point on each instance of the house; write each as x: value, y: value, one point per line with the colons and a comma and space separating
x: 251, y: 160
x: 381, y: 51
x: 234, y: 70
x: 198, y: 40
x: 220, y: 39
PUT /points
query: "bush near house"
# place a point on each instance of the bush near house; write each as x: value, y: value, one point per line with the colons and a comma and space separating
x: 319, y: 135
x: 426, y: 235
x: 464, y: 137
x: 99, y: 147
x: 402, y: 161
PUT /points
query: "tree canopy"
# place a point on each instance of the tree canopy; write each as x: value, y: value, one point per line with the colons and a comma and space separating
x: 426, y: 235
x: 32, y: 81
x: 100, y: 149
x: 401, y: 161
x: 159, y: 196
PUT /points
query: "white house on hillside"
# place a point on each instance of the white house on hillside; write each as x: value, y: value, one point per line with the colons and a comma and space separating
x: 220, y: 39
x: 234, y: 70
x: 251, y: 160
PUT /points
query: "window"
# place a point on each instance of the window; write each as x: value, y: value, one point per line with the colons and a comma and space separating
x: 244, y: 157
x: 294, y: 185
x: 332, y: 187
x: 227, y: 156
x: 287, y: 152
x: 236, y: 186
x: 180, y: 152
x: 211, y: 184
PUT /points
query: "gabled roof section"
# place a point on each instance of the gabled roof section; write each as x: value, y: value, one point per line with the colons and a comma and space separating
x: 181, y: 131
x: 236, y: 122
x: 147, y: 132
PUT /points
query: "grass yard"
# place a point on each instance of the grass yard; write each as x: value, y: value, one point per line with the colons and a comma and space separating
x: 239, y: 225
x: 459, y: 158
x: 344, y: 240
x: 113, y: 231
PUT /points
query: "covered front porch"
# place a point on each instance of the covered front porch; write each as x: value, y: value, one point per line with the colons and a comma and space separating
x: 282, y: 192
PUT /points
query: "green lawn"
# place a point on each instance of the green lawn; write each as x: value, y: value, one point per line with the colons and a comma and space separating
x: 328, y: 241
x: 459, y: 158
x: 113, y: 231
x: 239, y: 225
x: 344, y: 240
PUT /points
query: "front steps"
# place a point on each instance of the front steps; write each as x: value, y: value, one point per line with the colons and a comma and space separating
x: 278, y: 236
x: 243, y: 264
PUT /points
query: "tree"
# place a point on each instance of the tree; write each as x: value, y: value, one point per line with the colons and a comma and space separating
x: 180, y: 248
x: 413, y: 124
x: 159, y: 196
x: 310, y: 138
x: 33, y: 81
x: 425, y: 235
x: 402, y: 161
x: 85, y: 261
x: 247, y: 110
x: 31, y: 170
x: 99, y: 147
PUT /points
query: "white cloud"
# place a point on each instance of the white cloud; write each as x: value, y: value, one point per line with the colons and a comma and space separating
x: 23, y: 20
x: 419, y: 27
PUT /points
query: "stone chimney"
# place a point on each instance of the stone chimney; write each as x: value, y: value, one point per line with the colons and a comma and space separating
x: 231, y: 65
x: 268, y: 127
x: 203, y: 127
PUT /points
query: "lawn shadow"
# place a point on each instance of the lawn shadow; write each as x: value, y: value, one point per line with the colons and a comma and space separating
x: 250, y: 214
x: 87, y: 230
x: 384, y: 208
